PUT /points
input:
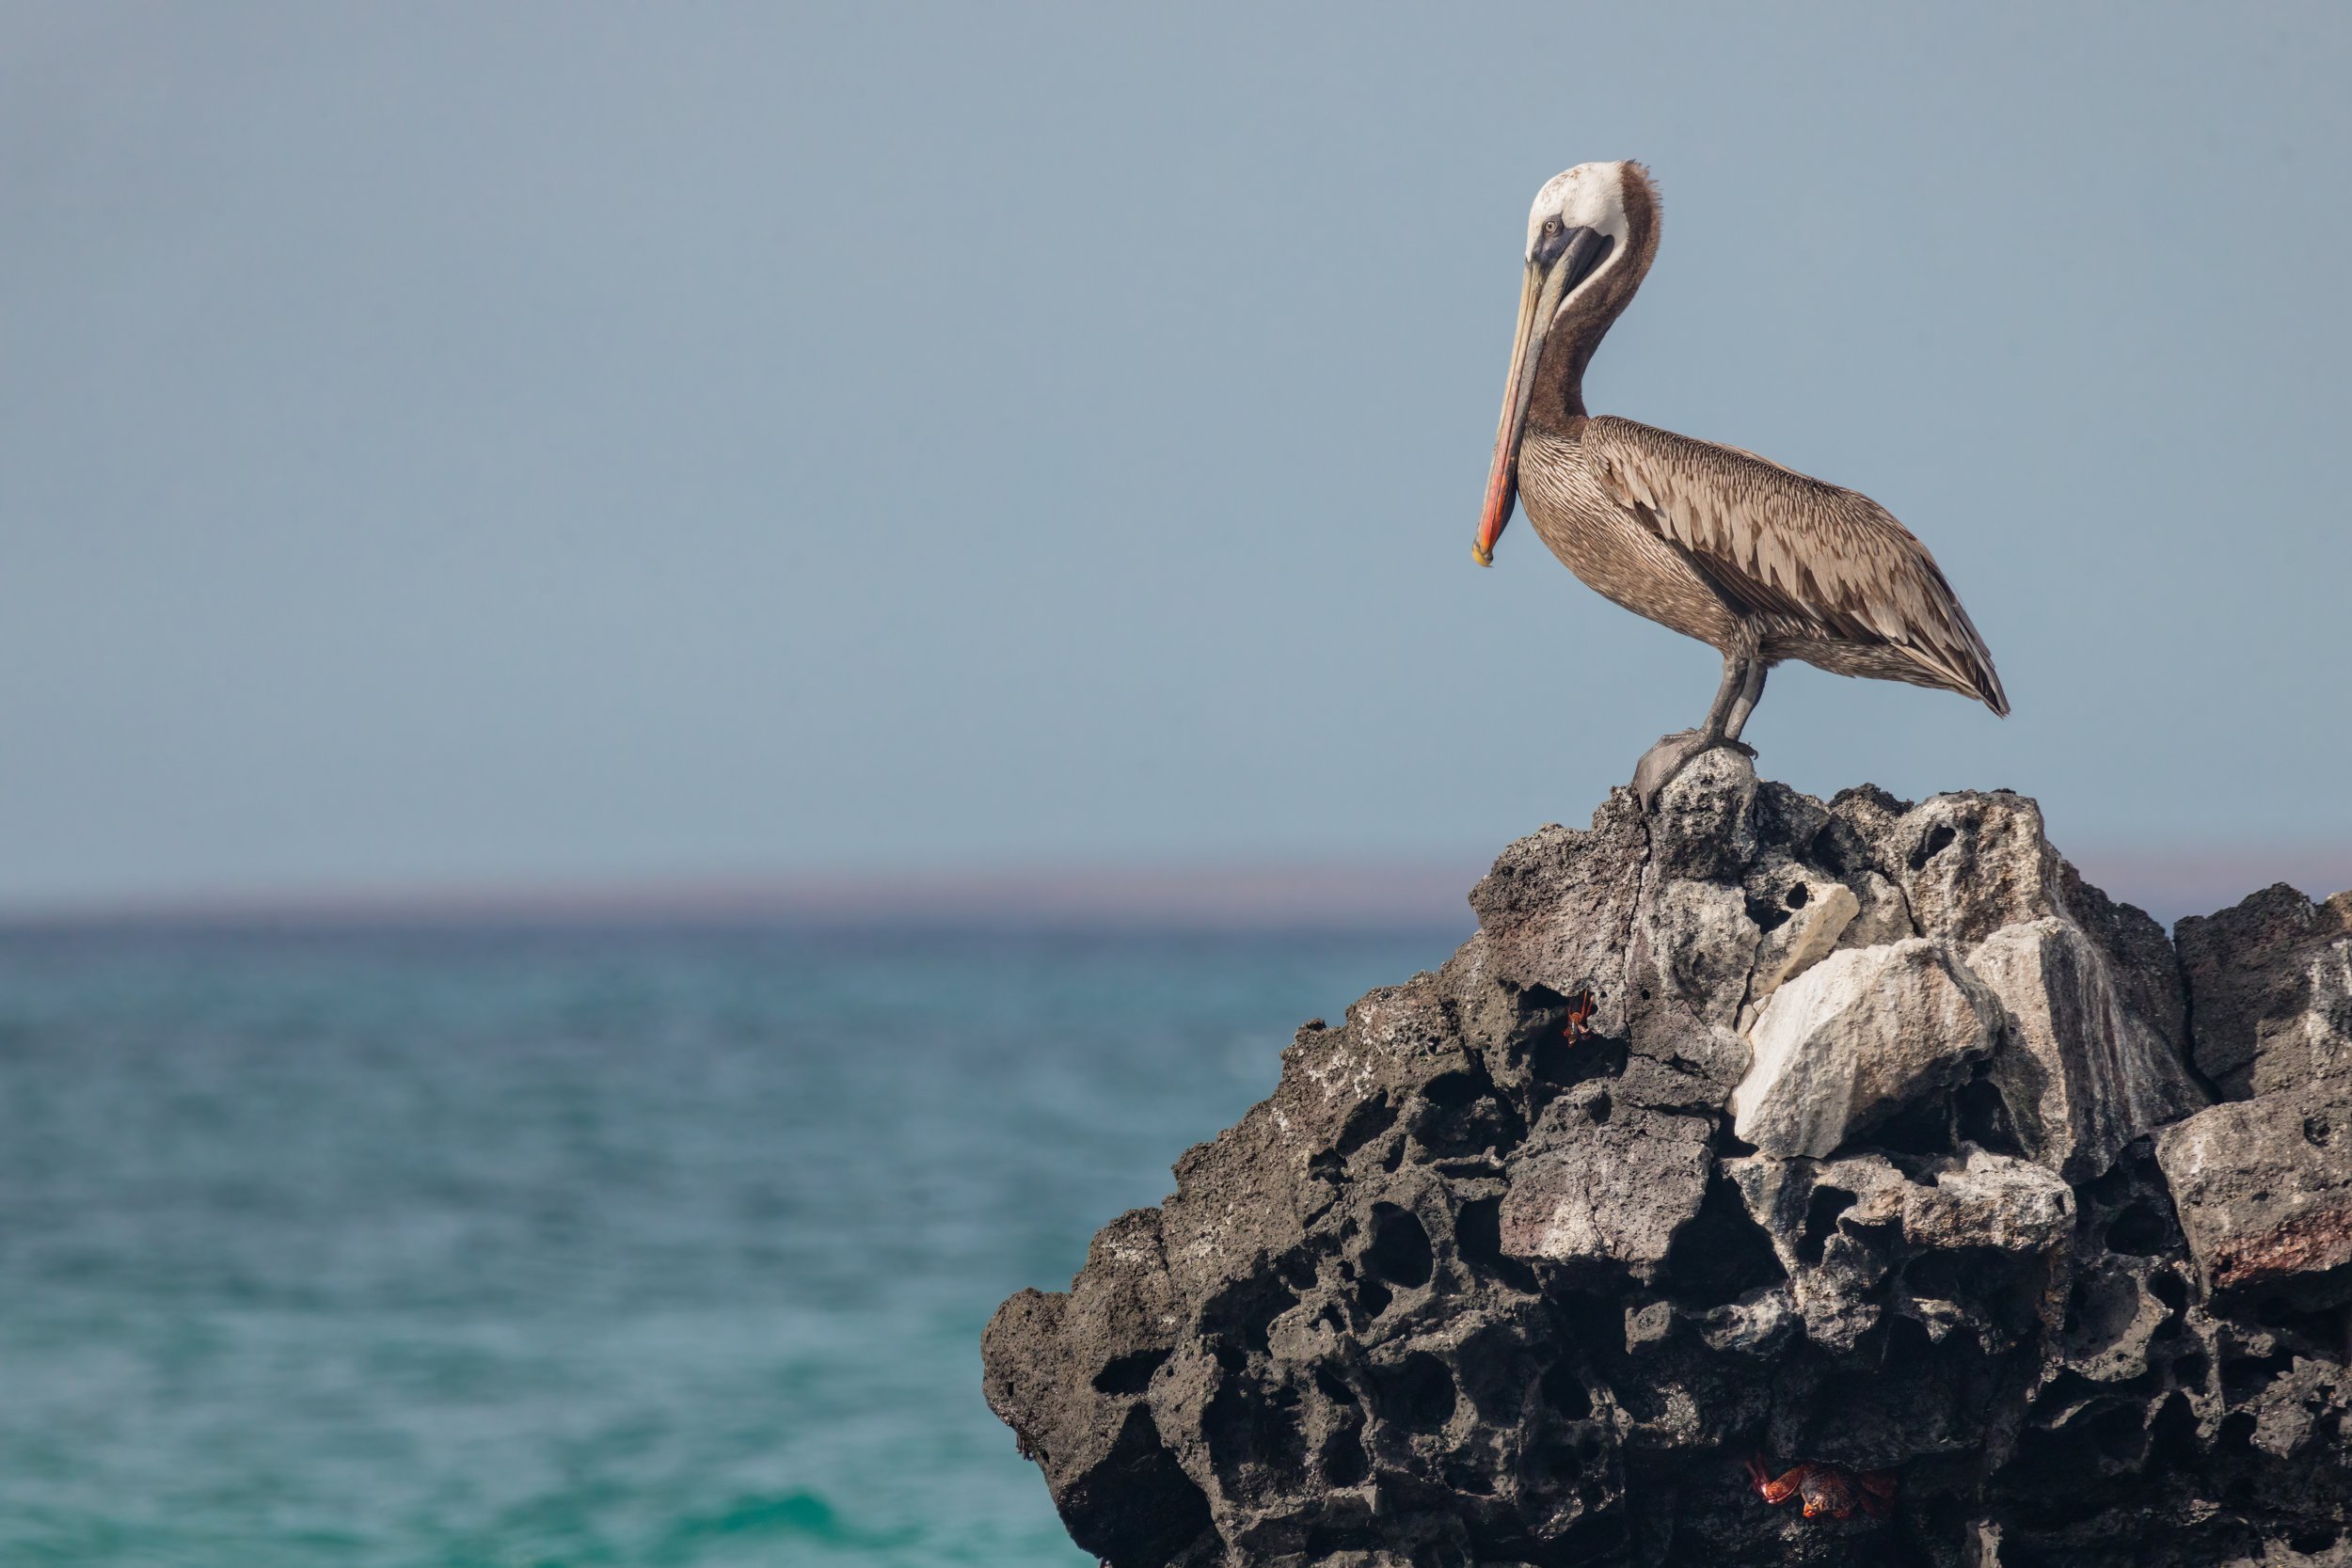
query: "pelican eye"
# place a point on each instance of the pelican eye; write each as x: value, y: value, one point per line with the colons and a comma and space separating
x: 1551, y: 225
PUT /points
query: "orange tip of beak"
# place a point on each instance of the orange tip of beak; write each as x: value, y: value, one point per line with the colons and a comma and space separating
x: 1481, y: 554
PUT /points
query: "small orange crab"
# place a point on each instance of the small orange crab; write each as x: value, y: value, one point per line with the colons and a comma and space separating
x: 1581, y: 1006
x: 1830, y: 1489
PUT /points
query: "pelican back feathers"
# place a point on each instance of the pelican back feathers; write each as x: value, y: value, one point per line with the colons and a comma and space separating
x: 1823, y: 574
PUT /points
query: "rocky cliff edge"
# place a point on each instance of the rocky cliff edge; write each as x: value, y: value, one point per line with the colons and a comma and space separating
x: 1860, y: 1140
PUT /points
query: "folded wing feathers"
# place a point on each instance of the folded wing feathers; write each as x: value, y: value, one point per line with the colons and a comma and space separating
x: 1793, y: 550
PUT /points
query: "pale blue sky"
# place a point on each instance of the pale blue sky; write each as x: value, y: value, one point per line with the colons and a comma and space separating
x: 511, y: 445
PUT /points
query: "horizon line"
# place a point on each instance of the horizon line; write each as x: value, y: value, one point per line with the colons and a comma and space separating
x: 1242, y: 893
x: 1330, y: 892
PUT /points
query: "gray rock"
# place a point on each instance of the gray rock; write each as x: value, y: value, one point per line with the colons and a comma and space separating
x: 1695, y: 942
x: 1596, y: 1183
x: 1855, y: 1038
x: 2273, y: 980
x: 1987, y: 1200
x: 1823, y: 911
x: 2081, y: 1073
x: 2115, y: 1317
x: 1831, y: 1226
x: 1971, y: 864
x: 2264, y: 1191
x: 1885, y: 915
x: 1069, y: 1372
x: 2142, y: 965
x: 1557, y: 909
x: 1847, y: 1231
x: 1705, y: 824
x: 1845, y: 1162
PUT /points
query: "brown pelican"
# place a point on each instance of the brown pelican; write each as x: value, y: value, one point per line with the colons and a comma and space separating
x: 1757, y: 561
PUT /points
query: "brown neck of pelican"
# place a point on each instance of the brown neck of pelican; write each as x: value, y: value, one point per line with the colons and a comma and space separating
x: 1556, y: 401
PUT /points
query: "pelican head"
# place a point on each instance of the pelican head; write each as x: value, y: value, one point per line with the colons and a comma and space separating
x: 1575, y: 230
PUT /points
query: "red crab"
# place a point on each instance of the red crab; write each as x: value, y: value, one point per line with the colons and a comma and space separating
x: 1581, y: 1006
x: 1830, y: 1489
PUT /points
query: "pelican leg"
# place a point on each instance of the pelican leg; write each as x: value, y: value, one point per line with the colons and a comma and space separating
x: 1750, y: 690
x: 1674, y: 753
x: 1726, y: 697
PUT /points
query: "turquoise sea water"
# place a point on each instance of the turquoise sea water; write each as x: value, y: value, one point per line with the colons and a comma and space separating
x: 556, y: 1249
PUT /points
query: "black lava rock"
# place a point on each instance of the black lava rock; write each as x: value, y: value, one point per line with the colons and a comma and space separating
x: 1756, y: 1127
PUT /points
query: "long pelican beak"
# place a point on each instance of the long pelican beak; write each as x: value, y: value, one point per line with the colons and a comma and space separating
x: 1502, y: 480
x: 1561, y: 262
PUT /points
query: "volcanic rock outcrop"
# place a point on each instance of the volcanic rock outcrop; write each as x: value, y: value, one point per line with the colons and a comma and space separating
x: 1860, y: 1135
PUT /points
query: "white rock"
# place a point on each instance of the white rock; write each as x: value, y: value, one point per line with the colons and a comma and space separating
x: 2081, y: 1073
x: 1854, y: 1039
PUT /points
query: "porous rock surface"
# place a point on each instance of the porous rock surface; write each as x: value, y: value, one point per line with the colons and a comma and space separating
x: 1859, y: 1133
x: 2264, y: 1184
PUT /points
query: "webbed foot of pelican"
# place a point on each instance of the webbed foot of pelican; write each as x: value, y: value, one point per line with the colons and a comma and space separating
x: 1670, y: 756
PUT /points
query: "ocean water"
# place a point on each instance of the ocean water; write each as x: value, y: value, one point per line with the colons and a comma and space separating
x: 567, y: 1248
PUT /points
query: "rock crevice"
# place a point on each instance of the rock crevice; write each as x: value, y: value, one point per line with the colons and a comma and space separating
x: 1851, y: 1133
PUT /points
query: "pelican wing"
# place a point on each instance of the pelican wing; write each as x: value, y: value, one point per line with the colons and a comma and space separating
x: 1811, y: 560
